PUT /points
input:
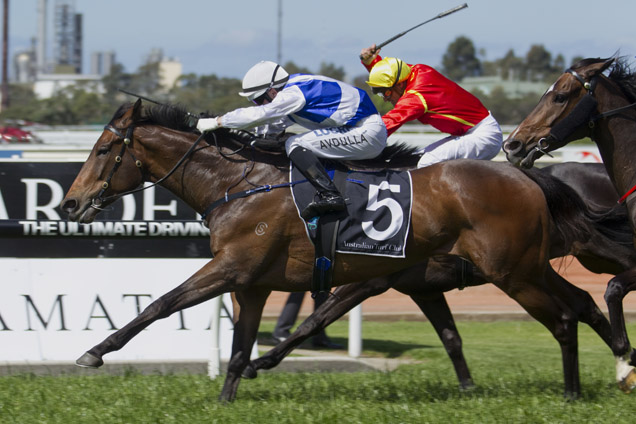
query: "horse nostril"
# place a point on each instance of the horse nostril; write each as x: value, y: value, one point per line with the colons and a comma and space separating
x: 69, y: 205
x: 512, y: 146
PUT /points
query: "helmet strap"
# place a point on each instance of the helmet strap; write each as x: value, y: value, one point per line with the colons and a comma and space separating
x: 399, y: 71
x: 271, y: 83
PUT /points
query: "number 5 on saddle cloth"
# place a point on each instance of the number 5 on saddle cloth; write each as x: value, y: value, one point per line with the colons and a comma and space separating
x: 376, y: 221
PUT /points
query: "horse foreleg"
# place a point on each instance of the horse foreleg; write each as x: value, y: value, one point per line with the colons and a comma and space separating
x: 439, y: 314
x: 203, y: 285
x: 342, y: 301
x: 617, y: 289
x: 559, y: 320
x: 588, y: 312
x: 251, y: 305
x: 582, y: 304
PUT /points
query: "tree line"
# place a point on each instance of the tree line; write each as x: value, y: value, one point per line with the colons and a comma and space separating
x: 77, y: 105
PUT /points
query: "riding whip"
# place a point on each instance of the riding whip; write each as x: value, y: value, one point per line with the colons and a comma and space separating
x: 441, y: 15
x: 141, y: 97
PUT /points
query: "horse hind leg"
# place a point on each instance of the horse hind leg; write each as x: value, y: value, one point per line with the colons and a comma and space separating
x: 439, y: 314
x: 588, y: 312
x: 617, y: 289
x: 250, y: 306
x: 581, y: 304
x: 343, y: 300
x: 559, y: 320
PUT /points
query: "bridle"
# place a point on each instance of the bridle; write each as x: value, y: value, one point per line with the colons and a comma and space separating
x: 582, y: 113
x: 99, y: 200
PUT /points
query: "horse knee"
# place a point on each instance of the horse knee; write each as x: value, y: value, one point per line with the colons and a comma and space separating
x: 565, y: 331
x: 615, y: 291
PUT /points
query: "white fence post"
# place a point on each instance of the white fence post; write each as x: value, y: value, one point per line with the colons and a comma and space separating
x: 214, y: 362
x: 355, y: 331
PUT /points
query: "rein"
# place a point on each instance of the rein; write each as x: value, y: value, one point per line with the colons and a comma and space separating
x: 125, y: 147
x: 127, y: 139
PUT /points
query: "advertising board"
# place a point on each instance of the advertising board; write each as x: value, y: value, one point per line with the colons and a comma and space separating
x: 66, y: 286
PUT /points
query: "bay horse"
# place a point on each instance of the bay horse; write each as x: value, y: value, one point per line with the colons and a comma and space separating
x: 585, y: 102
x: 604, y: 247
x: 491, y: 215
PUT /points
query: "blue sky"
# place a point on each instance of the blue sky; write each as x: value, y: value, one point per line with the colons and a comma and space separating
x: 226, y: 38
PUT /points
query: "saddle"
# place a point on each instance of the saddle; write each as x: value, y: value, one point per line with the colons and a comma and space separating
x: 376, y: 221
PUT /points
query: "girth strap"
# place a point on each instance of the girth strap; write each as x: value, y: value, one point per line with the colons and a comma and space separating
x: 464, y: 273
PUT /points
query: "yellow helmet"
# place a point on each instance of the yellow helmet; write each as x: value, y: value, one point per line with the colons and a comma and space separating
x: 388, y: 72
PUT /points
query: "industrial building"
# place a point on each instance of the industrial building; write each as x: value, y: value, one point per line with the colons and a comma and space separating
x: 49, y: 74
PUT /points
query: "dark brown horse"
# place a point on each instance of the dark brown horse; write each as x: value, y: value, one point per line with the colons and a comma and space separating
x: 603, y: 247
x: 490, y: 214
x: 585, y: 102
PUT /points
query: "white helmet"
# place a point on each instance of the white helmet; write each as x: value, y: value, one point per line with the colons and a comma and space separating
x: 261, y: 77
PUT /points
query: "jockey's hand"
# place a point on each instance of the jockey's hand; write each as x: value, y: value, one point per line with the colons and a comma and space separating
x: 368, y: 54
x: 207, y: 124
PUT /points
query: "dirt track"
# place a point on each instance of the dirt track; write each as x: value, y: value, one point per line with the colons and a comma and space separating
x: 486, y: 299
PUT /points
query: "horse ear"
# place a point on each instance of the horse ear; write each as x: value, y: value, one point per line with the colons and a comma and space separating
x: 136, y: 113
x: 597, y: 68
x: 607, y: 64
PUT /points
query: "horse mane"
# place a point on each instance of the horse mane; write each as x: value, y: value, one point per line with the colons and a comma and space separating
x: 173, y: 116
x: 624, y: 76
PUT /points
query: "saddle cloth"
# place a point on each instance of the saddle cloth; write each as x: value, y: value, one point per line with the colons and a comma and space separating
x: 378, y: 214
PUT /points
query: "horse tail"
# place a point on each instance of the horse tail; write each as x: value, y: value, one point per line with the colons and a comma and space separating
x: 574, y: 220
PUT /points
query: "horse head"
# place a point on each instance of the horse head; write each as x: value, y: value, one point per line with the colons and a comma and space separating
x: 112, y: 168
x: 560, y: 115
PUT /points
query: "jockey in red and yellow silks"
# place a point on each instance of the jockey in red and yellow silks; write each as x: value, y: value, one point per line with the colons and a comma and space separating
x: 419, y: 92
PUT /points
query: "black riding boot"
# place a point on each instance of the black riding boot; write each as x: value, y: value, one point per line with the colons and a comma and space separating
x: 329, y: 198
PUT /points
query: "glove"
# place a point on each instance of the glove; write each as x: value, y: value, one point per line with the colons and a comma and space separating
x: 207, y: 124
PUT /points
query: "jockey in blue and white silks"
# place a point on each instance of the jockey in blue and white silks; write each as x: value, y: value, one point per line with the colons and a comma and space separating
x: 342, y: 119
x: 345, y: 123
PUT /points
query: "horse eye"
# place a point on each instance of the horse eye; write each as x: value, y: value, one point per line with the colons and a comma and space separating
x: 560, y: 98
x: 103, y: 150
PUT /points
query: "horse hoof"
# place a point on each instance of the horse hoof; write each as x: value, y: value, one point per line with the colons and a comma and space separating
x: 89, y: 360
x: 628, y: 383
x: 249, y: 372
x: 467, y: 386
